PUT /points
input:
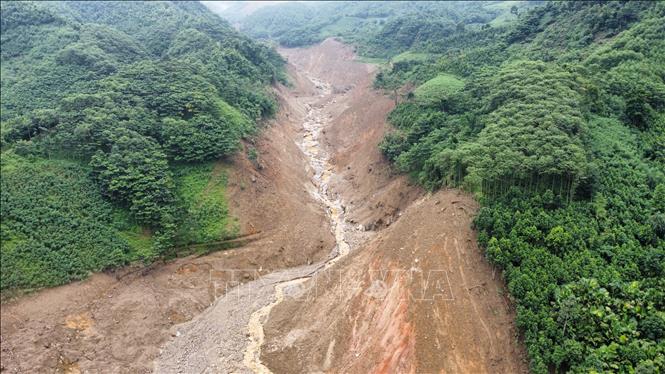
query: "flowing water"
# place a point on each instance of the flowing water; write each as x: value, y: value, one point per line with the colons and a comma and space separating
x: 319, y: 160
x: 315, y: 122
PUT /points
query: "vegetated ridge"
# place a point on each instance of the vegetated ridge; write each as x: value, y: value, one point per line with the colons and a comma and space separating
x: 113, y: 116
x: 377, y: 29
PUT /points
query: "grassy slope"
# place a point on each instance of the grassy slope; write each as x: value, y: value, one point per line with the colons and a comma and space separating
x: 437, y: 89
x: 201, y: 194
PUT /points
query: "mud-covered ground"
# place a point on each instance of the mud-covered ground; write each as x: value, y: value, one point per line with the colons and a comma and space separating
x: 417, y: 296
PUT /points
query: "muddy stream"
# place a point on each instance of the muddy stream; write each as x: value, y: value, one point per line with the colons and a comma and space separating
x: 311, y: 145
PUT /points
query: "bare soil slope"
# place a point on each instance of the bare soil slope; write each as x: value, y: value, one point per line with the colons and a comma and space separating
x: 415, y: 296
x: 418, y: 298
x: 373, y: 192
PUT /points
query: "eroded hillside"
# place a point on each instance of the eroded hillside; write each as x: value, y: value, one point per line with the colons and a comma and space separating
x: 413, y: 294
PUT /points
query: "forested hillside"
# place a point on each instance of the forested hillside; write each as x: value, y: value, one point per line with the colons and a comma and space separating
x: 112, y: 113
x: 557, y: 124
x: 377, y: 29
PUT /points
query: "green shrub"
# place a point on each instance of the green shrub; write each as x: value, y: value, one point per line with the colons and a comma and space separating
x: 55, y: 225
x: 438, y: 90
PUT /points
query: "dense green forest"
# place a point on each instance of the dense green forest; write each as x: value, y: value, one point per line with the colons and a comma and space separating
x: 557, y: 124
x: 554, y: 117
x: 113, y: 114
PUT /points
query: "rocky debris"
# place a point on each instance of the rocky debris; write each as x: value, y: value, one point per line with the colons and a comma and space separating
x: 215, y: 341
x: 243, y: 310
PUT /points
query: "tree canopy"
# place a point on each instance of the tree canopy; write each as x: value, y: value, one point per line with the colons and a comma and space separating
x: 377, y: 29
x: 558, y: 130
x: 126, y: 91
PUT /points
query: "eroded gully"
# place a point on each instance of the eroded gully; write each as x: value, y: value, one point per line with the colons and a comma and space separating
x: 319, y: 160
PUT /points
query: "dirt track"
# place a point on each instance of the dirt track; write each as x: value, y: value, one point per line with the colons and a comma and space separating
x: 358, y: 315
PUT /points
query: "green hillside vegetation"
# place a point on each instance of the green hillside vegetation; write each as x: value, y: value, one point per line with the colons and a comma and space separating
x: 100, y: 101
x: 559, y: 130
x: 55, y: 224
x: 201, y: 190
x: 437, y: 90
x: 377, y: 29
x: 408, y: 57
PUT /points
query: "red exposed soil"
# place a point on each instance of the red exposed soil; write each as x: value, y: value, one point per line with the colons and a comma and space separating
x: 418, y: 298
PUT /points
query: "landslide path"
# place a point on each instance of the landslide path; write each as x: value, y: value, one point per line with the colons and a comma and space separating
x: 229, y: 336
x: 351, y: 269
x: 415, y: 294
x: 405, y: 288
